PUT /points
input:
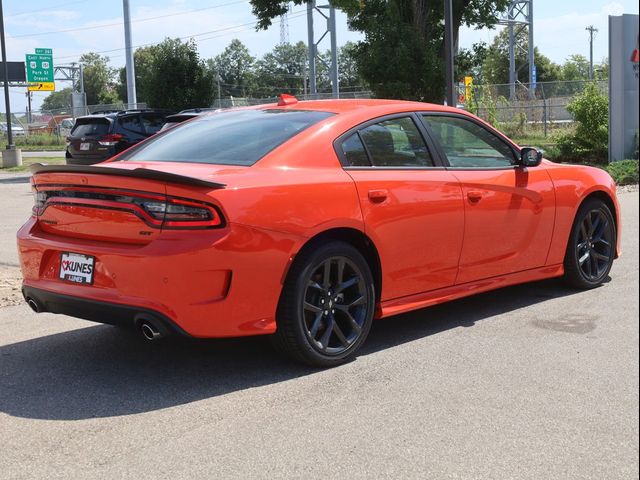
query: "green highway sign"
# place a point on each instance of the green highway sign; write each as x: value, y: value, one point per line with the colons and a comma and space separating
x: 44, y: 51
x: 39, y: 66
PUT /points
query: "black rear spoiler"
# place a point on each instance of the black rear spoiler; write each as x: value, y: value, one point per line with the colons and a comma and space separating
x: 123, y: 172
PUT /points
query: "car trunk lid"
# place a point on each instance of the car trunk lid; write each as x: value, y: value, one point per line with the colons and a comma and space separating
x: 123, y: 205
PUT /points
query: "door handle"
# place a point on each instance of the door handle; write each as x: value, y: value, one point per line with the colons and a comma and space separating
x: 474, y: 195
x: 378, y: 196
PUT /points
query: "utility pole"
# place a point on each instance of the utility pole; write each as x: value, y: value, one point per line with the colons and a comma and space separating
x: 592, y: 30
x: 131, y: 74
x: 448, y: 51
x: 11, y: 156
x: 5, y: 79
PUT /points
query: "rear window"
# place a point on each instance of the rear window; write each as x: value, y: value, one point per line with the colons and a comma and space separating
x: 90, y: 127
x: 152, y: 122
x: 227, y: 138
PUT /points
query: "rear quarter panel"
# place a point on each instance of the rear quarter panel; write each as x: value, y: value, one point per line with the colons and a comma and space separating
x: 574, y: 183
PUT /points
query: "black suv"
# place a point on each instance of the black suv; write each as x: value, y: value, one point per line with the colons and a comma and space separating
x: 102, y: 135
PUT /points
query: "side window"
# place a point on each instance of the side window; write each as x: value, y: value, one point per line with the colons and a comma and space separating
x: 152, y: 123
x: 396, y: 143
x: 132, y: 124
x: 354, y: 152
x: 468, y: 145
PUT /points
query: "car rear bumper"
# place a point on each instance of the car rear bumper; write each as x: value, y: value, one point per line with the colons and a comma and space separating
x: 75, y: 158
x: 94, y: 310
x: 208, y: 283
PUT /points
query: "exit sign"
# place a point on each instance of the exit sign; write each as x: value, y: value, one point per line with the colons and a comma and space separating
x: 44, y: 51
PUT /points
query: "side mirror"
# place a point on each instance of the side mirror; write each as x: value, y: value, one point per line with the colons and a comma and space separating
x: 530, y: 157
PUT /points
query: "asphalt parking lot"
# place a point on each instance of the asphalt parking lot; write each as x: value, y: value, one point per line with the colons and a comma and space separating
x: 530, y: 382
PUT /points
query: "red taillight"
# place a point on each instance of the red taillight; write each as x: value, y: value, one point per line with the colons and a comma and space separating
x: 178, y: 213
x: 110, y: 139
x: 155, y: 210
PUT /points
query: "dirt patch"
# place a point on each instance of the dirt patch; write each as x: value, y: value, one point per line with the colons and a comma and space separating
x: 10, y: 283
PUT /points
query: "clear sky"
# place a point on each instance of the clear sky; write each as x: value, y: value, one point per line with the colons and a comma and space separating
x: 72, y: 27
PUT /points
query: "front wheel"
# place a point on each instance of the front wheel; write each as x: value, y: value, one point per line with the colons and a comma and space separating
x: 591, y: 247
x: 327, y: 305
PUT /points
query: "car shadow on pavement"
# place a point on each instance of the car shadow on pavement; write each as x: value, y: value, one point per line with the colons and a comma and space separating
x: 14, y: 180
x: 103, y: 371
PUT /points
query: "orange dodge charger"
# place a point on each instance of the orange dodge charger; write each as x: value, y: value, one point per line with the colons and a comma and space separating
x: 307, y: 220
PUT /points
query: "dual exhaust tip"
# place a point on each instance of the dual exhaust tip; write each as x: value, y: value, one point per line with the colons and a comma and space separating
x: 150, y: 328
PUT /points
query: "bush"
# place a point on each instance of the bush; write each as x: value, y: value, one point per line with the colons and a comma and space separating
x: 38, y: 140
x: 624, y: 172
x: 590, y: 141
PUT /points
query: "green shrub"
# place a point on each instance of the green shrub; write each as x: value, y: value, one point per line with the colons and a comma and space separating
x: 624, y: 172
x: 590, y: 141
x: 38, y: 140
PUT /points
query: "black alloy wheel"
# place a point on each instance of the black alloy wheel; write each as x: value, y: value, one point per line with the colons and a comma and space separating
x: 592, y: 245
x: 327, y: 305
x: 334, y: 308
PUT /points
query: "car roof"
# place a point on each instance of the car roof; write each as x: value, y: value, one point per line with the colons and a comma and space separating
x: 115, y: 113
x: 349, y: 105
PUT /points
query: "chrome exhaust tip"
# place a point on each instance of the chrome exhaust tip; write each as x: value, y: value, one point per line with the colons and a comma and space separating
x: 33, y: 305
x: 149, y: 331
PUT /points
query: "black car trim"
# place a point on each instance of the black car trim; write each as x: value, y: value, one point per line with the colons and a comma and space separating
x: 96, y: 311
x: 146, y: 173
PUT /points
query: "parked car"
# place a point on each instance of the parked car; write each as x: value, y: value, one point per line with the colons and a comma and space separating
x: 17, y: 130
x: 182, y: 116
x: 307, y: 220
x: 97, y: 137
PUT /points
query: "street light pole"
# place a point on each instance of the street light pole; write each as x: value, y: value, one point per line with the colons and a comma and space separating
x: 5, y: 79
x: 448, y: 51
x: 131, y: 75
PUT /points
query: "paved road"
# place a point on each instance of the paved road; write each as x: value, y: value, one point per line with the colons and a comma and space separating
x: 530, y: 382
x: 58, y: 154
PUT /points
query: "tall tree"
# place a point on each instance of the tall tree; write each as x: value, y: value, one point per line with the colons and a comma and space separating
x: 496, y: 65
x: 235, y: 68
x: 576, y: 67
x: 60, y: 100
x: 348, y: 71
x: 172, y: 75
x: 99, y: 79
x: 402, y: 55
x: 282, y: 70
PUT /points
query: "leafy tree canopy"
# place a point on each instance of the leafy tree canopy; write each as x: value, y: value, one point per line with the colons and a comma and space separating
x: 496, y: 65
x: 402, y: 53
x: 235, y: 67
x: 172, y: 75
x: 99, y: 79
x: 60, y: 100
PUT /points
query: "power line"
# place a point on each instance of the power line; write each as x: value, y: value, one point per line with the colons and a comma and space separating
x: 46, y: 9
x: 226, y: 29
x: 139, y: 20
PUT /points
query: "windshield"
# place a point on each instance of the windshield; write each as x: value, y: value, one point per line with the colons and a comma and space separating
x: 227, y: 138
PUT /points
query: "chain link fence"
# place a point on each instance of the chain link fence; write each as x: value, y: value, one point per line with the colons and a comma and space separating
x: 246, y: 101
x: 544, y: 105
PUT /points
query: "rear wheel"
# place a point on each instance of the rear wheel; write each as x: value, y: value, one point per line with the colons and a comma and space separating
x: 327, y: 305
x: 591, y: 247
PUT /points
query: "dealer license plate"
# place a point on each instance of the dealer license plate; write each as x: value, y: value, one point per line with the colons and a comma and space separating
x: 76, y: 267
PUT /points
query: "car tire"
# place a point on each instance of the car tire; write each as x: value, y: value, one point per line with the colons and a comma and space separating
x: 67, y: 156
x: 592, y: 246
x: 327, y: 305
